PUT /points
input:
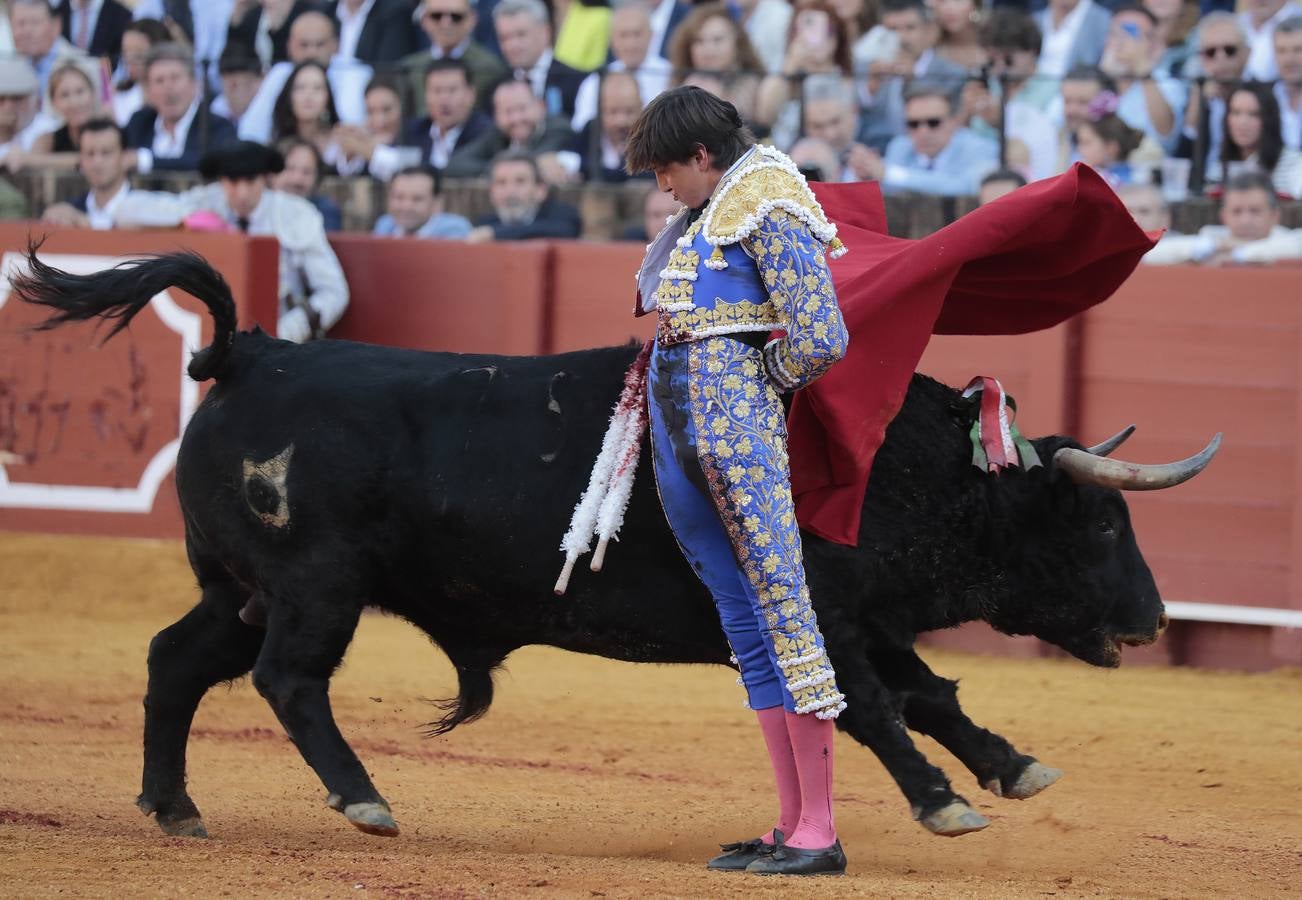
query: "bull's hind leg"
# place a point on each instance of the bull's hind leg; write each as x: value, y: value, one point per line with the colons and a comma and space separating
x: 930, y: 706
x: 208, y: 645
x: 293, y: 673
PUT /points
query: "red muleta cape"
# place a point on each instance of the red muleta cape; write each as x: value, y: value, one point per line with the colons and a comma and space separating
x: 1025, y: 262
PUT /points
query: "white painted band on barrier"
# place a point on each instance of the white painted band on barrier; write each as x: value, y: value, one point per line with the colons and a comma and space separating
x: 1234, y: 615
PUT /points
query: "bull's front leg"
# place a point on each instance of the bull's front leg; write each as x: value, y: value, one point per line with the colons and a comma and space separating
x: 305, y: 643
x: 871, y: 718
x: 930, y: 706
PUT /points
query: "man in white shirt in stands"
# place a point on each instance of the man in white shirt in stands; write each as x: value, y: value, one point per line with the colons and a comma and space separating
x: 1288, y: 90
x: 102, y: 160
x: 1259, y: 19
x: 313, y: 292
x: 630, y: 44
x: 1249, y: 231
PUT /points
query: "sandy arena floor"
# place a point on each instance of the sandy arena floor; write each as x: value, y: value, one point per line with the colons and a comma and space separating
x: 591, y: 778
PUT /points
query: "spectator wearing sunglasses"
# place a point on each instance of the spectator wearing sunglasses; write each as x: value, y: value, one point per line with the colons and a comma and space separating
x: 1220, y: 61
x: 937, y: 155
x: 449, y: 24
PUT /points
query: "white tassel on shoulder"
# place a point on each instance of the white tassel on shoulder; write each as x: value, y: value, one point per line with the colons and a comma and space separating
x: 600, y: 510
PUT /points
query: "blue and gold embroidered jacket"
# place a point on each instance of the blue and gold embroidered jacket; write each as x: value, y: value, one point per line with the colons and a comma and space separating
x: 755, y: 260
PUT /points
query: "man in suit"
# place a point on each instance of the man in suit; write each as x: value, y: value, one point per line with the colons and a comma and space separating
x: 102, y: 161
x: 173, y: 129
x: 602, y: 144
x: 448, y: 24
x: 519, y: 123
x: 524, y: 33
x: 1074, y: 32
x: 451, y: 124
x: 521, y: 206
x: 95, y: 26
x: 264, y: 26
x: 665, y: 17
x: 375, y: 31
x: 937, y: 155
x: 1222, y: 57
x: 36, y: 37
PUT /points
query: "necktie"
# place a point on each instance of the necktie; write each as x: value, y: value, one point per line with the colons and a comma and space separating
x: 83, y: 26
x: 242, y: 224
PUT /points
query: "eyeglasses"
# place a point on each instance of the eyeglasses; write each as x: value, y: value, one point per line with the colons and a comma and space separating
x: 455, y: 17
x: 915, y: 124
x: 1230, y: 51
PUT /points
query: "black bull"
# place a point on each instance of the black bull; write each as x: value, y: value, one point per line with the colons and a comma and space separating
x: 321, y: 479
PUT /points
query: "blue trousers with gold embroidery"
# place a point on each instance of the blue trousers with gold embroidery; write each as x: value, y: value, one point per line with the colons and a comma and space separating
x: 718, y: 439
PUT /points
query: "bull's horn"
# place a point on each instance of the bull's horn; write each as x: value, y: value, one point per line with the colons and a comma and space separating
x: 1111, y: 443
x: 1085, y: 468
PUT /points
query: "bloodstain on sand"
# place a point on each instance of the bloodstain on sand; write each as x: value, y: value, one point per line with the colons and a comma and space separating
x: 591, y: 778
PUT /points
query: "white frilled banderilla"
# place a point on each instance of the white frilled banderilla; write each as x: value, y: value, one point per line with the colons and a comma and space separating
x: 600, y: 510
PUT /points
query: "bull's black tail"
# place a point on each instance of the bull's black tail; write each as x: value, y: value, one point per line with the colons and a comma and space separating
x: 474, y: 689
x: 123, y: 291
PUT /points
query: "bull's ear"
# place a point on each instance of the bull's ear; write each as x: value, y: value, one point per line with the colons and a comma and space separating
x: 1063, y: 493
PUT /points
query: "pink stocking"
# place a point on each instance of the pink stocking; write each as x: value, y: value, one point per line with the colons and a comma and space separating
x: 773, y: 722
x: 811, y: 745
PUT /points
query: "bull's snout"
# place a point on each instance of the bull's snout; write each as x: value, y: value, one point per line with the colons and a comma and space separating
x: 1162, y: 621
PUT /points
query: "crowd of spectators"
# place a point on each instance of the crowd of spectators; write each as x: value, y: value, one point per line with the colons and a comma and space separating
x: 923, y: 96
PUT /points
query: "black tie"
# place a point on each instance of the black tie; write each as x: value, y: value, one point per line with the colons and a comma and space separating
x: 242, y: 224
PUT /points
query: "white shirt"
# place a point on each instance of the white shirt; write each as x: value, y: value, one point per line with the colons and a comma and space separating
x: 125, y: 104
x: 442, y: 145
x: 102, y: 217
x: 652, y: 78
x: 1290, y: 117
x: 350, y: 26
x: 166, y: 146
x: 660, y: 23
x: 1261, y: 43
x: 1056, y: 48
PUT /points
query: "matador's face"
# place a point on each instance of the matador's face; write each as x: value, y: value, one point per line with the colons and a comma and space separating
x: 691, y: 182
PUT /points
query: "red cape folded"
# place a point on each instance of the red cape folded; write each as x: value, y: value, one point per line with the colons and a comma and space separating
x: 1027, y: 261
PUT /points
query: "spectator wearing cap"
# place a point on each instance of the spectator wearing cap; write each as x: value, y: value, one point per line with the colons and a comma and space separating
x: 377, y: 32
x: 937, y: 155
x: 95, y: 27
x: 414, y: 208
x: 173, y: 130
x: 449, y: 25
x: 241, y: 74
x: 520, y: 123
x: 522, y: 207
x: 1259, y: 19
x: 313, y: 37
x: 302, y: 177
x: 630, y: 45
x: 36, y: 37
x: 1249, y: 231
x: 524, y: 33
x: 1146, y: 99
x: 1288, y: 89
x: 452, y: 125
x: 1073, y: 33
x: 21, y: 121
x: 1221, y: 58
x: 263, y: 25
x: 102, y: 160
x: 313, y: 292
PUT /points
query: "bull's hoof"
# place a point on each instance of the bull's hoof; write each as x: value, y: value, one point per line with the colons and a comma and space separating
x: 191, y: 826
x: 955, y: 819
x: 1036, y: 778
x: 372, y: 818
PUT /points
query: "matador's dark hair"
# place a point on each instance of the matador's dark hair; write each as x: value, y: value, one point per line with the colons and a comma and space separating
x: 675, y: 123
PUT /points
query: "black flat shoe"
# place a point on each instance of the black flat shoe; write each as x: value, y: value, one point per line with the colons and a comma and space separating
x: 786, y: 860
x: 736, y: 857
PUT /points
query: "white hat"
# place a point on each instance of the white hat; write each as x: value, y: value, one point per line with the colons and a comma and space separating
x: 17, y: 78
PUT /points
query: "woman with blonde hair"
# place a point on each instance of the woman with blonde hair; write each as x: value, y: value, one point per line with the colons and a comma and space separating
x: 70, y: 95
x: 709, y: 49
